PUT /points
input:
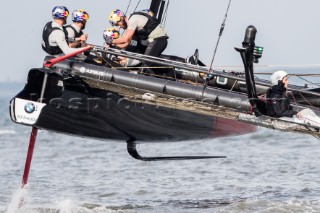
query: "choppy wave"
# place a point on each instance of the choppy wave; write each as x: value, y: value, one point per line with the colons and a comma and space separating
x: 7, y: 132
x: 292, y: 205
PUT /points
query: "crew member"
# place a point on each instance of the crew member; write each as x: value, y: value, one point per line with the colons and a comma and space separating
x: 142, y: 26
x: 76, y: 37
x: 54, y: 36
x: 278, y: 102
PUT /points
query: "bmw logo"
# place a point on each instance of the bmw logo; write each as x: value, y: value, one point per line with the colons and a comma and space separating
x: 29, y: 107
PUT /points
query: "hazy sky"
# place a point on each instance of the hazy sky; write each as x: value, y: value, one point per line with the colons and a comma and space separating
x: 289, y: 30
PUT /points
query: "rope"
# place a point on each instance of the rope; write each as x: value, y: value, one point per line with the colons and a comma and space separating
x: 136, y: 6
x: 215, y: 50
x: 293, y: 98
x: 220, y: 34
x: 295, y: 101
x: 127, y: 7
x: 306, y: 80
x: 305, y: 99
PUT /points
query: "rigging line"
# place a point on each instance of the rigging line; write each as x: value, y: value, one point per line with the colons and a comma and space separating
x: 220, y: 34
x: 305, y: 99
x: 215, y: 50
x: 137, y: 6
x: 127, y: 7
x: 125, y: 15
x: 295, y: 101
x: 163, y: 21
x: 306, y: 80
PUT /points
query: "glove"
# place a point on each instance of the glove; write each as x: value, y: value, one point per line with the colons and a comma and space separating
x: 108, y: 40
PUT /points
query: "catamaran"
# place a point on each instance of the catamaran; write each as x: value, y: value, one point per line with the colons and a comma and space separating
x: 101, y: 99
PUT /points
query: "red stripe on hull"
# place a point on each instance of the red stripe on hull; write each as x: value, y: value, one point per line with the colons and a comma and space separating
x: 227, y: 127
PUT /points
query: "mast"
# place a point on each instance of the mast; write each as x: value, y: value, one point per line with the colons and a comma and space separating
x: 157, y: 7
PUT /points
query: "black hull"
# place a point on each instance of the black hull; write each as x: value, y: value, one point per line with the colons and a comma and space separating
x: 80, y: 109
x: 130, y: 121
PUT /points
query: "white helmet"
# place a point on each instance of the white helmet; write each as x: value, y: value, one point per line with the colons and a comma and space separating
x: 278, y: 76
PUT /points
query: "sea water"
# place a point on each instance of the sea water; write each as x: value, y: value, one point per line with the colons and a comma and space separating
x: 266, y: 171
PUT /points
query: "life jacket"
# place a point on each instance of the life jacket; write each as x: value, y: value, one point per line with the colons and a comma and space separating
x: 151, y: 24
x: 269, y: 104
x: 135, y: 45
x: 77, y: 34
x: 278, y: 103
x: 47, y: 30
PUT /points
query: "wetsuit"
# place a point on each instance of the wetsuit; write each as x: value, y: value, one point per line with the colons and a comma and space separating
x: 278, y: 103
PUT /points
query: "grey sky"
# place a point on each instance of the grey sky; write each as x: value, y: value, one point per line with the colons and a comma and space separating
x: 287, y: 29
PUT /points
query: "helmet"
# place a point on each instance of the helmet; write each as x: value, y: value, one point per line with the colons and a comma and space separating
x: 115, y: 16
x: 278, y: 76
x: 147, y: 11
x: 60, y: 12
x: 80, y: 16
x: 111, y: 32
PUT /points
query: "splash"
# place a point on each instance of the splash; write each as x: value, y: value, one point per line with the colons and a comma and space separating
x: 19, y: 201
x: 66, y: 206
